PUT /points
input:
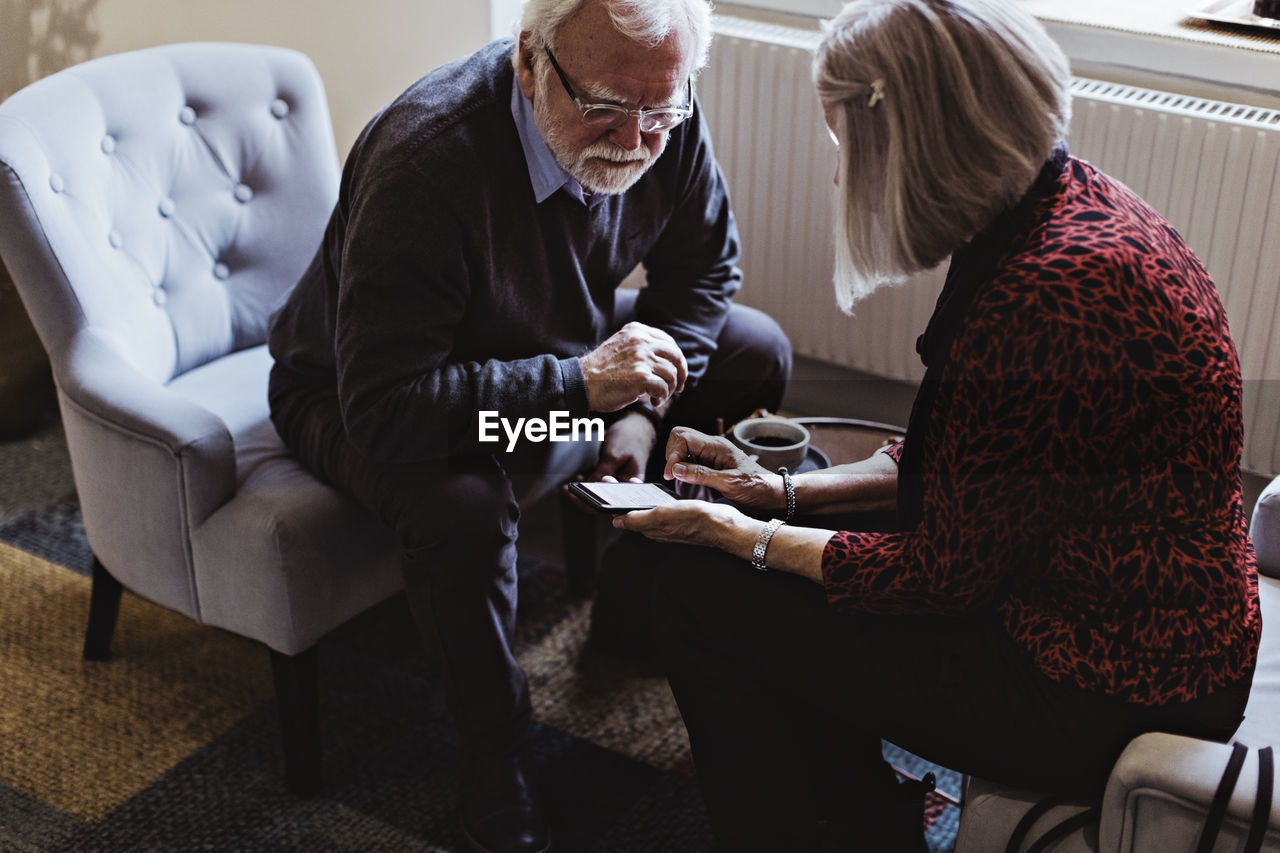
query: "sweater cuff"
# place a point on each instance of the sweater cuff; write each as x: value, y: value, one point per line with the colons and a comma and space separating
x: 646, y: 409
x: 575, y: 385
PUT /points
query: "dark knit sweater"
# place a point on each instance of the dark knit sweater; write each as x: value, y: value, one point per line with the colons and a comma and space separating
x: 442, y: 288
x: 1072, y: 466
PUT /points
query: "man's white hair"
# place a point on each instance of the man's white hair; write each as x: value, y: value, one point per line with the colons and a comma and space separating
x: 646, y: 22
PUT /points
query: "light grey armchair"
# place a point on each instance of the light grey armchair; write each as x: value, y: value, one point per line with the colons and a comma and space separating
x: 1160, y: 791
x: 154, y: 207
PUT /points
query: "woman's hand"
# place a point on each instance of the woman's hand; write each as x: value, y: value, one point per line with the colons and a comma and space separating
x: 704, y: 460
x: 712, y: 525
x: 797, y: 550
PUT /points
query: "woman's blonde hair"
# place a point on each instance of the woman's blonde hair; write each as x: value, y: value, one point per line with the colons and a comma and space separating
x: 946, y: 110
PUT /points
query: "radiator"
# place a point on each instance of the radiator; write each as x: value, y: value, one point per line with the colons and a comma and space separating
x: 1210, y: 167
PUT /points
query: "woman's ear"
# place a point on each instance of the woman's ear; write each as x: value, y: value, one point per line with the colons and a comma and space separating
x: 525, y: 64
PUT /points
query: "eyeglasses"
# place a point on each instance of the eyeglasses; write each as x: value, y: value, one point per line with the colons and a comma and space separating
x: 609, y: 116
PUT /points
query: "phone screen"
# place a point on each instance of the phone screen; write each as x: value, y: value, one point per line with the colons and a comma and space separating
x: 624, y: 497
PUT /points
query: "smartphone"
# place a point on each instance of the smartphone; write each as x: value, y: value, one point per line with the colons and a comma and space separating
x: 622, y: 497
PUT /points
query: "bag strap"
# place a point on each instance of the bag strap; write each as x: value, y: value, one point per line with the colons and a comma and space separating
x: 1054, y: 833
x: 1221, y: 798
x: 1261, y: 805
x: 1028, y: 820
x: 1065, y: 827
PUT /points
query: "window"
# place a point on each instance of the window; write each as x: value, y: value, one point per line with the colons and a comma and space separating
x: 820, y: 8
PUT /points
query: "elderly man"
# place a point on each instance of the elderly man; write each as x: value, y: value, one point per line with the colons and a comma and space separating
x: 467, y: 279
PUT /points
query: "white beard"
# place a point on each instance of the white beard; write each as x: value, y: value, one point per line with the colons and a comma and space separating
x: 605, y: 168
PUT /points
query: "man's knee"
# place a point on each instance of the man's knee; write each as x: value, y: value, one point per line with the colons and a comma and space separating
x: 752, y: 346
x: 749, y: 370
x: 472, y: 508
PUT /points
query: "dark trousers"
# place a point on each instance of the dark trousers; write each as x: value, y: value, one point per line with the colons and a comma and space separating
x: 457, y: 522
x: 786, y: 702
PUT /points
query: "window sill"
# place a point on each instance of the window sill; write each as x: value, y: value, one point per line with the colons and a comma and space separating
x: 1159, y: 37
x: 1151, y: 43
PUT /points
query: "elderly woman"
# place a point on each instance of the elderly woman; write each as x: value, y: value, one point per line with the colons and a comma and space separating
x: 1071, y: 565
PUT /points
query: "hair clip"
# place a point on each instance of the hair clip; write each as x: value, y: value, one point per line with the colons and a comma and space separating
x: 877, y: 92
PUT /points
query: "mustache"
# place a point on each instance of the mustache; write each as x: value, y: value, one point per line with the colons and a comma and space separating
x: 609, y: 151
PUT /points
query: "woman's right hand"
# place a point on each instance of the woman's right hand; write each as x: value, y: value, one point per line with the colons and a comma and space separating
x: 714, y: 461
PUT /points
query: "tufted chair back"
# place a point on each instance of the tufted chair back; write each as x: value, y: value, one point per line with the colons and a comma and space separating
x: 181, y: 191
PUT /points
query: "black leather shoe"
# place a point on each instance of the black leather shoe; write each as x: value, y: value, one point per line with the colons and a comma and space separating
x: 498, y: 810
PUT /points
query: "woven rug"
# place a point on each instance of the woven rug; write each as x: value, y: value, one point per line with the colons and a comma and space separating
x: 173, y: 744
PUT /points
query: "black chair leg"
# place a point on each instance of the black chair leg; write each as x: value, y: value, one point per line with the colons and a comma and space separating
x: 578, y: 529
x: 104, y: 606
x: 297, y: 679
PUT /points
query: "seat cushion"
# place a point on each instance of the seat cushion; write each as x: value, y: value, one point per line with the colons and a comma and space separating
x: 288, y: 558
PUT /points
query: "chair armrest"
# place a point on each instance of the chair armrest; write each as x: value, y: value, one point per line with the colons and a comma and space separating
x: 149, y: 466
x: 107, y: 387
x: 1159, y: 794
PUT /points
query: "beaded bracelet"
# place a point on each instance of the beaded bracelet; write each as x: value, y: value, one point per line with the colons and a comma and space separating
x: 790, y: 490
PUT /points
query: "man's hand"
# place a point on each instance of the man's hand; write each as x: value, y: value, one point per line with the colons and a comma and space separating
x: 626, y: 449
x: 638, y: 361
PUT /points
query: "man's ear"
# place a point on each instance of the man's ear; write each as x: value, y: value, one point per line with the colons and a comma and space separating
x: 525, y: 64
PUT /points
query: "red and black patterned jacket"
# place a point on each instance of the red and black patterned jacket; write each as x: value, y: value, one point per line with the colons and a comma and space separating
x: 1072, y: 462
